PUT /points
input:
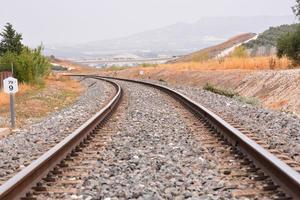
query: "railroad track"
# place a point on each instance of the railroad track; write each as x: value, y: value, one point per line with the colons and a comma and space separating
x: 19, y: 186
x: 37, y: 178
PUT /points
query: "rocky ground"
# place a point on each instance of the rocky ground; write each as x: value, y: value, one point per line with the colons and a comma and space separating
x: 23, y: 146
x: 281, y: 130
x: 153, y: 154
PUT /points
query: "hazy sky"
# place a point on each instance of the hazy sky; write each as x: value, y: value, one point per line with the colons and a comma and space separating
x: 77, y: 21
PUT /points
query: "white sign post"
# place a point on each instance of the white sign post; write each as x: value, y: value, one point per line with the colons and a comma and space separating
x: 10, y: 86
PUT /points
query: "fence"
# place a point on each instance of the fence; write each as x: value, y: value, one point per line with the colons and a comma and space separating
x: 4, y: 75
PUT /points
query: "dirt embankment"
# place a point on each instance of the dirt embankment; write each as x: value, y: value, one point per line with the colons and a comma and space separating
x: 276, y: 89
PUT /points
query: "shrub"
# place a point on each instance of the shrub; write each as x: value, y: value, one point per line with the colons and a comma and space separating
x: 229, y: 93
x: 148, y: 65
x: 58, y: 68
x: 7, y: 61
x: 214, y: 89
x: 115, y: 68
x: 29, y: 66
x: 239, y: 52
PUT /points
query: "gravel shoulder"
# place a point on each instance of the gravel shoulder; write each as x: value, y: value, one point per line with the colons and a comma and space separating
x: 279, y: 129
x: 22, y: 147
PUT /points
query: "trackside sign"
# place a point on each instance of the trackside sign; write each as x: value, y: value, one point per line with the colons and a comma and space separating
x: 10, y: 85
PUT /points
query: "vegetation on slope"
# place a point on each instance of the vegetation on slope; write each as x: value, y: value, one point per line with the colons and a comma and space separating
x: 231, y: 94
x: 211, y: 52
x: 239, y: 52
x: 269, y: 37
x: 220, y: 91
x: 283, y: 40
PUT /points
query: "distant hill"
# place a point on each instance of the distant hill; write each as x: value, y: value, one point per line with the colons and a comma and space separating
x: 213, y: 51
x: 263, y: 45
x: 176, y: 39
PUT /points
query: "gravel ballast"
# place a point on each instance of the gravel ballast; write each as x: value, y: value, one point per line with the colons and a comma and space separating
x: 153, y: 155
x: 279, y: 129
x: 22, y: 147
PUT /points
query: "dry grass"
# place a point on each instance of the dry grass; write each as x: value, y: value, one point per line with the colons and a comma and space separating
x: 35, y: 101
x: 199, y: 73
x: 249, y: 63
x: 252, y: 78
x: 23, y: 88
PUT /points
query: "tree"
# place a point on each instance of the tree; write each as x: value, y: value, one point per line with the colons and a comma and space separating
x: 11, y: 40
x: 296, y: 9
x: 30, y: 66
x: 289, y: 45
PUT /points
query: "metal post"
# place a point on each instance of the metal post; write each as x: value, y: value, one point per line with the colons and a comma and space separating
x: 12, y: 69
x: 12, y: 111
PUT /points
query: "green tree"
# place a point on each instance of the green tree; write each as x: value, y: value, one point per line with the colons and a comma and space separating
x: 296, y: 9
x: 289, y: 45
x: 11, y: 40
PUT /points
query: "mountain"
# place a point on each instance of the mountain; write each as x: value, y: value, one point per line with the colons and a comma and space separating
x: 176, y: 39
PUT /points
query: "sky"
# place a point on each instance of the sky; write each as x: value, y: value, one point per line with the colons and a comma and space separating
x: 79, y: 21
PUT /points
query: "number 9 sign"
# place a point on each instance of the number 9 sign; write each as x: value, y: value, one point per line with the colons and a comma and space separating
x: 10, y: 85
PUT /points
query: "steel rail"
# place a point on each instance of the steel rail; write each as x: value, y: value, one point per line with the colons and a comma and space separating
x: 22, y: 182
x: 282, y: 174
